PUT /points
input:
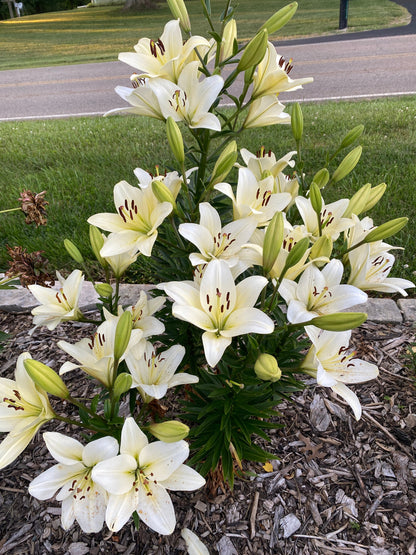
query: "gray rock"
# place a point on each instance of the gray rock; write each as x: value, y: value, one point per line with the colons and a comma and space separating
x: 379, y: 311
x: 408, y: 308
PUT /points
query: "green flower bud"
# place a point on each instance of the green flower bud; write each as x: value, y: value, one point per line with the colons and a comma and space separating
x: 122, y: 384
x: 73, y: 251
x: 169, y: 431
x: 122, y: 337
x: 273, y: 240
x: 254, y: 51
x: 179, y: 11
x: 175, y: 139
x: 339, y: 321
x: 321, y: 178
x: 224, y: 163
x: 97, y: 242
x: 267, y: 369
x: 296, y: 254
x: 229, y: 39
x: 46, y: 378
x: 351, y: 136
x: 322, y: 248
x: 162, y: 193
x: 386, y: 230
x: 358, y: 201
x: 104, y: 289
x: 296, y: 121
x: 316, y: 198
x: 280, y: 18
x: 347, y: 165
x: 375, y: 195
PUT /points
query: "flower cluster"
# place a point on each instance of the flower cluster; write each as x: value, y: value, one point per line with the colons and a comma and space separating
x: 261, y: 271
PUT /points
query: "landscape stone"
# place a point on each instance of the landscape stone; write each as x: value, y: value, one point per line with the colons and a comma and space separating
x: 380, y: 311
x: 408, y: 308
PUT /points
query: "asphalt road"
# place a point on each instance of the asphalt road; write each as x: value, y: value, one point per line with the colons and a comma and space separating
x: 346, y: 69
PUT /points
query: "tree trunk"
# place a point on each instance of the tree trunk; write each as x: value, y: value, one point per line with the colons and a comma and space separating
x: 140, y: 4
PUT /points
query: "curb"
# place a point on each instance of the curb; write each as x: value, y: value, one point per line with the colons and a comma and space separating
x: 380, y: 311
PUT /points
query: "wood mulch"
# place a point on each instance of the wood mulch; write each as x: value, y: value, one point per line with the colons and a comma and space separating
x: 338, y: 487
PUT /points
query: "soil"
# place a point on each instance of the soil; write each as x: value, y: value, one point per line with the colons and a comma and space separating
x: 339, y: 486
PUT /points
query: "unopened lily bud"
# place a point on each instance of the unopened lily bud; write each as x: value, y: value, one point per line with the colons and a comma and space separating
x: 267, y: 369
x: 169, y: 431
x: 97, y: 242
x: 321, y: 178
x: 273, y: 240
x: 296, y: 121
x: 296, y: 254
x: 322, y: 248
x: 254, y: 51
x: 122, y: 384
x: 347, y: 165
x: 225, y: 163
x: 386, y: 230
x: 280, y: 18
x: 375, y: 195
x: 175, y: 140
x: 358, y: 201
x: 123, y: 332
x: 162, y: 193
x: 338, y: 321
x: 315, y: 197
x: 352, y: 136
x: 46, y: 378
x: 73, y: 251
x: 229, y: 38
x: 103, y: 289
x: 179, y: 11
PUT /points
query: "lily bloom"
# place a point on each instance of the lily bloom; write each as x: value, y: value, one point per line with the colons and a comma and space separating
x: 95, y: 354
x: 369, y: 272
x: 142, y: 100
x: 272, y: 75
x: 153, y: 374
x: 330, y: 363
x: 319, y: 292
x: 266, y: 110
x: 331, y: 217
x: 58, y: 306
x: 82, y: 499
x: 139, y: 214
x: 190, y: 99
x: 215, y: 241
x: 24, y: 408
x: 138, y: 478
x: 218, y: 306
x: 167, y: 56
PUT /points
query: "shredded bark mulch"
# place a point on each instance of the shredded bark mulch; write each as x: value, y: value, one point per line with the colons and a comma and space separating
x: 339, y: 486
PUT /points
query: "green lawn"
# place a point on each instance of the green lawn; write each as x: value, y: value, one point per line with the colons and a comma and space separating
x: 99, y: 34
x: 78, y: 161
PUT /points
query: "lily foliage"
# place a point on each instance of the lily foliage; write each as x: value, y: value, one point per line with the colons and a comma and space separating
x: 255, y: 267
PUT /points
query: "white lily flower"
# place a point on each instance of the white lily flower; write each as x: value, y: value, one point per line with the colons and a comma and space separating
x: 58, y: 306
x: 154, y: 374
x: 120, y: 262
x: 254, y: 198
x: 138, y: 478
x: 221, y: 308
x: 96, y: 353
x: 190, y: 99
x: 272, y: 75
x: 332, y: 222
x: 135, y: 225
x: 359, y: 230
x: 369, y: 271
x: 266, y: 110
x: 329, y: 362
x: 167, y: 56
x: 142, y: 315
x: 24, y: 408
x: 193, y: 543
x: 172, y: 180
x: 215, y: 241
x: 82, y: 499
x: 319, y: 292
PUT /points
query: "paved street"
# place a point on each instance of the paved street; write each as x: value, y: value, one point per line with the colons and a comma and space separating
x: 359, y: 68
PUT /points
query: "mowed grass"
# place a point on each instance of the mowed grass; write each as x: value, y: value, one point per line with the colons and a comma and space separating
x: 78, y: 162
x: 99, y: 34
